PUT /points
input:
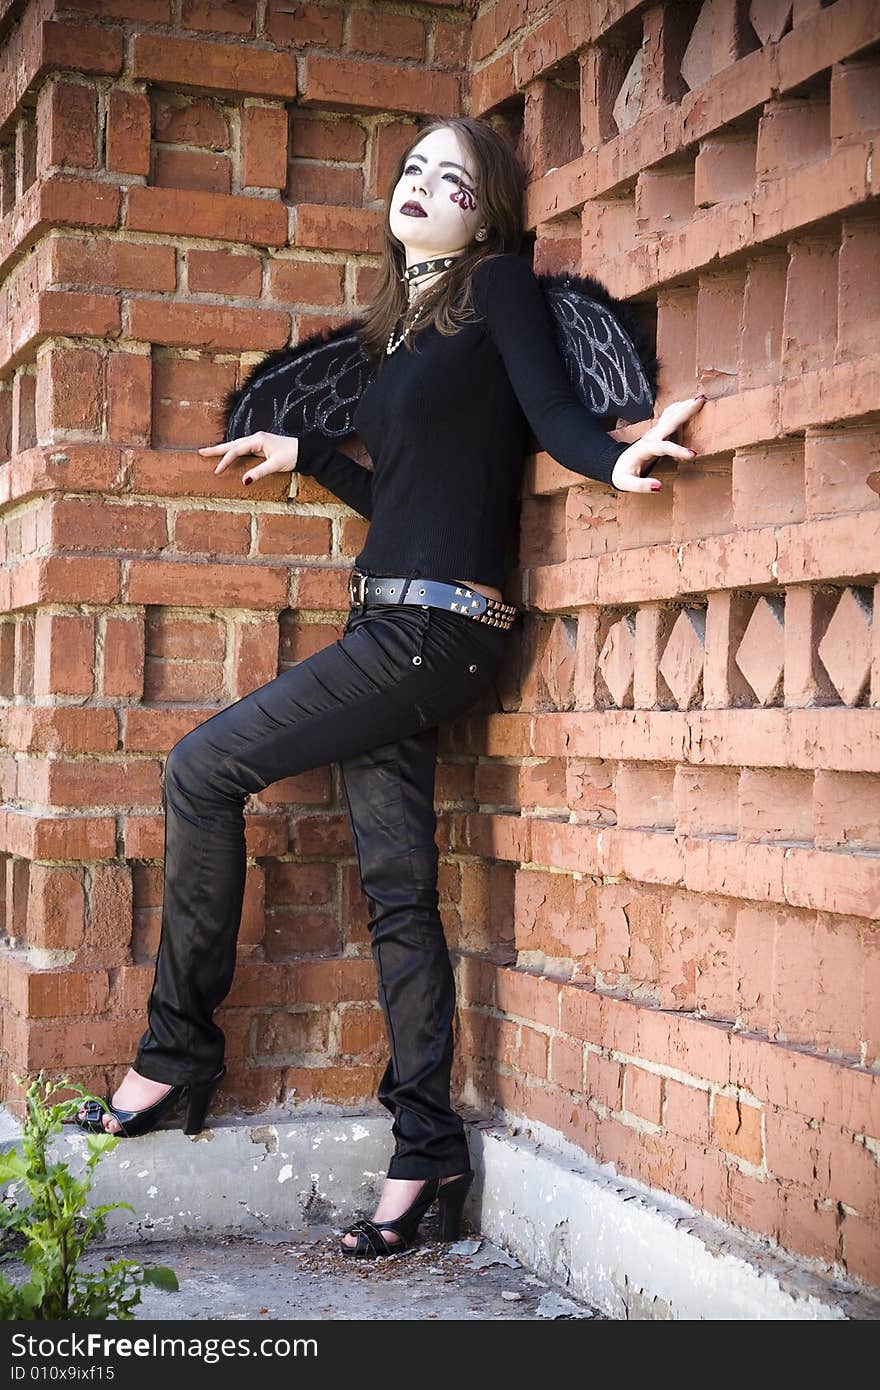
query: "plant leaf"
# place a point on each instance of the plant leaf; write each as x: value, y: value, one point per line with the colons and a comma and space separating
x: 161, y: 1277
x: 102, y: 1143
x: 12, y: 1166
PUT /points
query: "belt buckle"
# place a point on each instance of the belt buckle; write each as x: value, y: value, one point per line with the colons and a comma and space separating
x: 356, y: 586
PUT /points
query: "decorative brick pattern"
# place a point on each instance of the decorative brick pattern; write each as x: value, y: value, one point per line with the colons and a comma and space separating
x: 617, y: 660
x: 760, y: 653
x: 681, y: 664
x: 845, y: 649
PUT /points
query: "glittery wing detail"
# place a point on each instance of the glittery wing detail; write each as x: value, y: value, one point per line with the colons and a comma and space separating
x: 607, y: 354
x: 313, y: 386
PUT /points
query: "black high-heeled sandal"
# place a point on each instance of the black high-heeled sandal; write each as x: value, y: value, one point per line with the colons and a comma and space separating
x: 199, y: 1095
x: 450, y: 1197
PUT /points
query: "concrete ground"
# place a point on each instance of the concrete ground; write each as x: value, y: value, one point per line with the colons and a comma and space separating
x: 246, y: 1213
x: 277, y: 1276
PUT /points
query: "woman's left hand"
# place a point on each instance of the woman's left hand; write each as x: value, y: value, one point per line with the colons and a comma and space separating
x: 654, y: 444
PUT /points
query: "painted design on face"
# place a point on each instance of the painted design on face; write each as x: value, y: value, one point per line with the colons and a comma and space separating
x: 464, y: 198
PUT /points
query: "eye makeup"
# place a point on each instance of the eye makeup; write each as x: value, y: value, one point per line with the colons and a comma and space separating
x: 465, y: 199
x: 416, y: 168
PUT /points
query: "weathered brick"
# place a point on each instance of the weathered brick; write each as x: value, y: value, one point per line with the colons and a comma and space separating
x: 738, y: 1128
x: 193, y: 212
x: 264, y: 147
x: 67, y: 126
x: 225, y: 69
x: 55, y: 907
x: 128, y: 132
x: 192, y: 169
x: 207, y: 326
x: 64, y: 647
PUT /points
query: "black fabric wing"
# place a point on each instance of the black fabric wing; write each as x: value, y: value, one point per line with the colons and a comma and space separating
x: 314, y: 386
x: 608, y: 355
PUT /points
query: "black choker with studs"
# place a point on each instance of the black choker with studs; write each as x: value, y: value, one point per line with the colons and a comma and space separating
x: 414, y: 272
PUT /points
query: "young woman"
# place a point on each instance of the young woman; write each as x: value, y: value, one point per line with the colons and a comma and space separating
x: 465, y: 362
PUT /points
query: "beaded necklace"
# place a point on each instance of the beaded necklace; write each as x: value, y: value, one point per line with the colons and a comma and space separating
x: 391, y: 346
x: 411, y: 273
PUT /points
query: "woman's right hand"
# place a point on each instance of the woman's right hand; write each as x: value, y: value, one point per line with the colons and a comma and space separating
x: 280, y: 452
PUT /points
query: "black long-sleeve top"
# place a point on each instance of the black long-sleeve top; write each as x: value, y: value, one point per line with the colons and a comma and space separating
x: 447, y: 429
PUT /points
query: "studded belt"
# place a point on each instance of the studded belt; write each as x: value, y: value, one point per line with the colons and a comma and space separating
x: 367, y: 589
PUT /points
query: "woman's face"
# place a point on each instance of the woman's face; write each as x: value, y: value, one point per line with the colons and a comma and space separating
x: 439, y: 175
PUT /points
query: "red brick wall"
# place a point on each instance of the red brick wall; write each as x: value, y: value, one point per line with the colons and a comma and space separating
x: 661, y: 863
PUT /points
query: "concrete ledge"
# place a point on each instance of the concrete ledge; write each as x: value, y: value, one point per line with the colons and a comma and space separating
x: 624, y: 1250
x: 244, y: 1175
x: 637, y: 1254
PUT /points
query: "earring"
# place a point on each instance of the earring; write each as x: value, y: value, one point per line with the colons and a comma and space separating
x: 481, y: 234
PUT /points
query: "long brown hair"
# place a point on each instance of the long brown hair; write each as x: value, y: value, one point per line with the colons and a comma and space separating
x: 500, y: 189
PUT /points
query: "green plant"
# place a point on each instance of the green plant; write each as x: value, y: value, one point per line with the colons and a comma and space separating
x: 52, y: 1231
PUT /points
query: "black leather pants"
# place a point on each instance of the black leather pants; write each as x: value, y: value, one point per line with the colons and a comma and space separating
x: 363, y: 702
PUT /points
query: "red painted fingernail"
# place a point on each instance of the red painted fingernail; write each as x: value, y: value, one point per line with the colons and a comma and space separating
x: 248, y: 480
x: 692, y: 452
x: 655, y: 487
x: 701, y: 397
